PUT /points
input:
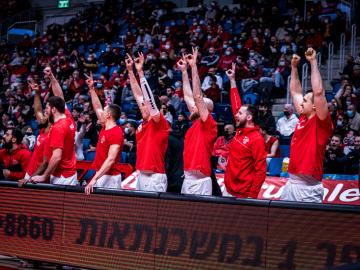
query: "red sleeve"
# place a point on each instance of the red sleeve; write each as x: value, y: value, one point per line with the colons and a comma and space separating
x: 24, y: 162
x: 259, y: 154
x: 218, y: 143
x: 235, y: 101
x: 57, y: 138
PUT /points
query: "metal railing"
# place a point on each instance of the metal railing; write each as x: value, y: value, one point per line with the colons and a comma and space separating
x: 330, y: 61
x: 288, y: 96
x: 304, y: 76
x: 318, y: 58
x: 342, y: 50
x: 353, y: 40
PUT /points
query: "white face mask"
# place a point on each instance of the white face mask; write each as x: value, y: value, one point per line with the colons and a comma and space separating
x: 227, y: 52
x: 126, y: 130
x: 167, y: 46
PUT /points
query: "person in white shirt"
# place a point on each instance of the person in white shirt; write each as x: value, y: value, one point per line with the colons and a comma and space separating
x: 286, y: 124
x: 206, y: 84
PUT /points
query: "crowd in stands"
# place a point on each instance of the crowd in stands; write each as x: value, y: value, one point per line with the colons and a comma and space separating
x: 260, y: 39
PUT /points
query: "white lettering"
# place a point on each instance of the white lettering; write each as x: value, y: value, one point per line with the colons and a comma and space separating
x: 270, y: 188
x: 335, y: 192
x: 350, y: 195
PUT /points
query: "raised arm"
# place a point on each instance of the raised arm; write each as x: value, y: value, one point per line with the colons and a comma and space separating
x: 234, y: 93
x: 135, y: 87
x: 320, y: 102
x: 40, y: 117
x: 94, y: 98
x: 56, y: 88
x: 146, y: 90
x: 196, y: 85
x: 295, y: 85
x: 188, y: 96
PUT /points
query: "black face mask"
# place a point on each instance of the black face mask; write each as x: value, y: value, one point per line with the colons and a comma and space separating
x: 287, y: 113
x: 29, y: 133
x: 228, y: 135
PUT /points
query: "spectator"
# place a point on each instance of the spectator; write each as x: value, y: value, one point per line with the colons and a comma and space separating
x: 15, y: 157
x: 211, y: 59
x: 174, y: 99
x: 181, y: 125
x: 220, y: 151
x: 352, y: 158
x: 206, y: 82
x: 286, y: 124
x: 271, y: 142
x: 29, y: 138
x: 333, y: 153
x: 130, y: 142
x: 267, y: 118
x: 354, y: 117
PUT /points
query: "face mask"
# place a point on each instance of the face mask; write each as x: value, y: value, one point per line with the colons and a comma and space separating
x: 64, y: 87
x: 108, y: 49
x: 209, y: 37
x: 339, y: 123
x: 227, y: 53
x: 198, y: 30
x: 126, y: 130
x: 225, y: 46
x: 167, y: 46
x: 163, y: 39
x: 350, y: 113
x: 177, y: 85
x: 29, y: 133
x: 43, y: 87
x: 251, y: 54
x: 147, y: 76
x: 99, y: 85
x: 89, y: 59
x: 282, y: 63
x: 167, y: 31
x: 122, y: 121
x: 239, y: 46
x: 287, y: 113
x: 348, y: 103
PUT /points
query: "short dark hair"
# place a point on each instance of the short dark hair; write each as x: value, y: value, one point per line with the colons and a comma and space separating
x: 18, y: 135
x: 115, y: 111
x: 312, y: 97
x: 337, y: 136
x: 57, y: 103
x: 252, y: 110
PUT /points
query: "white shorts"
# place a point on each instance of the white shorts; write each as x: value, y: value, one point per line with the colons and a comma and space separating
x: 225, y: 193
x: 66, y: 181
x: 302, y: 188
x: 156, y: 182
x: 27, y: 177
x: 196, y: 182
x: 109, y: 182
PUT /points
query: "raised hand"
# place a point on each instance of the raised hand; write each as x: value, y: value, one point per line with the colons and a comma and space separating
x: 182, y: 64
x: 48, y: 73
x: 295, y: 60
x: 191, y: 58
x: 89, y: 80
x: 129, y: 62
x: 310, y: 54
x: 139, y: 62
x: 231, y: 72
x: 34, y: 86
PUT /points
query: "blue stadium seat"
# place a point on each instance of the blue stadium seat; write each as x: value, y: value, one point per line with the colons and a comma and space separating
x: 329, y: 96
x: 284, y: 150
x: 224, y: 112
x: 86, y: 143
x: 124, y: 157
x: 275, y: 166
x: 88, y: 175
x: 90, y: 155
x: 250, y: 98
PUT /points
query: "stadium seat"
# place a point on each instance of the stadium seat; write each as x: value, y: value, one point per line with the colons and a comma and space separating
x: 90, y: 155
x: 340, y: 177
x: 224, y: 112
x: 87, y: 176
x: 250, y: 98
x: 284, y: 150
x: 123, y: 157
x: 86, y: 143
x: 275, y: 166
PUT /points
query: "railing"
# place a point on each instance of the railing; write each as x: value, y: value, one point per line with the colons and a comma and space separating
x: 318, y: 58
x: 353, y: 40
x: 288, y: 96
x: 342, y: 50
x: 19, y: 23
x: 330, y: 61
x: 304, y: 75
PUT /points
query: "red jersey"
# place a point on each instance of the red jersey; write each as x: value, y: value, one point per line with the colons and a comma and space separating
x: 198, y: 145
x: 246, y: 167
x: 152, y: 141
x: 37, y: 156
x: 16, y: 162
x: 308, y: 146
x: 269, y: 144
x: 221, y: 147
x: 107, y: 138
x: 62, y: 135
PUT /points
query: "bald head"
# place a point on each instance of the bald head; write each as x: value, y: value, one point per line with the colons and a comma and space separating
x: 209, y: 104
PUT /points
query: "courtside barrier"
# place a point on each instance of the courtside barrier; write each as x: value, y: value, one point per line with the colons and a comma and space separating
x: 138, y: 230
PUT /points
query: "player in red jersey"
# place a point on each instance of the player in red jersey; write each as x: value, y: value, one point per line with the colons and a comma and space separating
x: 60, y: 150
x: 310, y: 137
x: 200, y: 137
x: 37, y: 164
x: 152, y: 135
x: 109, y: 146
x: 246, y: 167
